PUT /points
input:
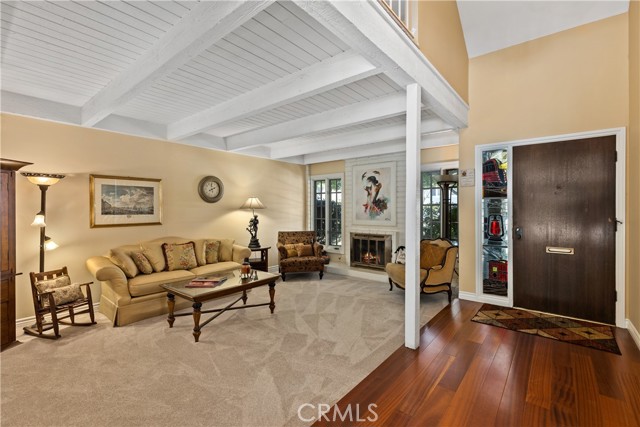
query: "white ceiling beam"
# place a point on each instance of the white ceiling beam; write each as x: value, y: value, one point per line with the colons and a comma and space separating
x: 381, y: 148
x: 361, y: 112
x: 367, y: 28
x: 333, y: 72
x: 353, y: 139
x: 25, y: 105
x: 203, y: 26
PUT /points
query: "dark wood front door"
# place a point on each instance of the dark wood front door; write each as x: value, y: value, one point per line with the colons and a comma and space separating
x: 564, y: 198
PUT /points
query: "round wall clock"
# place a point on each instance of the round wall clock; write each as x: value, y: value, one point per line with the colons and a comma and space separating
x: 210, y: 189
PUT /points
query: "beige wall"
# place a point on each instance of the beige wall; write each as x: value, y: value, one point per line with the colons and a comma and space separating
x: 448, y: 153
x: 441, y: 40
x: 326, y: 168
x: 573, y: 81
x: 79, y: 152
x: 633, y: 166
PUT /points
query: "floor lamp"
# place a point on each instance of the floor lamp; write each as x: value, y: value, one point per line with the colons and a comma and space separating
x: 446, y: 183
x: 44, y: 181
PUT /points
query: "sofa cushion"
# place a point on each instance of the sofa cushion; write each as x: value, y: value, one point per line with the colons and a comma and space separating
x: 211, y: 251
x: 225, y: 253
x: 142, y: 263
x: 180, y: 256
x: 305, y: 263
x: 121, y: 256
x: 63, y: 290
x: 146, y: 284
x: 219, y: 267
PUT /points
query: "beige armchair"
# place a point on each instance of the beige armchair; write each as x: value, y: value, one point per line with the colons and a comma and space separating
x: 437, y: 265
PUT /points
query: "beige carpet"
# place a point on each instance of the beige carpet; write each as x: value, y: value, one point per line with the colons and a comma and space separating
x: 250, y: 368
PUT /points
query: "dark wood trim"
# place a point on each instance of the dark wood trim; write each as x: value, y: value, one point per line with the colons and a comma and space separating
x: 470, y: 374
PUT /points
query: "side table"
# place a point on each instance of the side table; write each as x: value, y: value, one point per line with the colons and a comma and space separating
x: 261, y: 260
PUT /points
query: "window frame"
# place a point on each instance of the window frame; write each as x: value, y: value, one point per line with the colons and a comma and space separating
x: 326, y: 177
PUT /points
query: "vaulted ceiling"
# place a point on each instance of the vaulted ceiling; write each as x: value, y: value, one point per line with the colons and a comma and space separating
x: 298, y: 81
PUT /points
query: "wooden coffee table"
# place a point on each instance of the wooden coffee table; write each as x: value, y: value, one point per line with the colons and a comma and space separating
x: 234, y: 284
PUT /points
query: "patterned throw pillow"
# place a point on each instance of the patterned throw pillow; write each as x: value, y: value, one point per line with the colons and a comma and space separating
x: 304, y: 250
x: 142, y: 263
x: 180, y: 256
x: 63, y: 290
x: 211, y: 248
x: 292, y: 252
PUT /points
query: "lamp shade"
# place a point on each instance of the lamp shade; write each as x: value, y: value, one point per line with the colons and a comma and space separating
x: 42, y: 178
x: 252, y: 203
x: 38, y: 221
x: 49, y: 244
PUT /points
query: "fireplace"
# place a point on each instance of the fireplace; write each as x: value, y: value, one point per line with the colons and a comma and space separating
x: 370, y: 250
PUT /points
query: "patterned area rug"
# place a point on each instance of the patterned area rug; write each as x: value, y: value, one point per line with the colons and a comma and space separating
x: 559, y: 328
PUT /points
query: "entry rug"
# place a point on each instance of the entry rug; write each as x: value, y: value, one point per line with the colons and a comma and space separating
x: 580, y: 332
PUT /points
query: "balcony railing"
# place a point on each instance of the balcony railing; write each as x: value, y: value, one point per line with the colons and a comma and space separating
x: 405, y: 13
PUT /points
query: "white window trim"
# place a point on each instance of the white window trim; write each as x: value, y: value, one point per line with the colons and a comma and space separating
x: 426, y: 167
x: 328, y: 248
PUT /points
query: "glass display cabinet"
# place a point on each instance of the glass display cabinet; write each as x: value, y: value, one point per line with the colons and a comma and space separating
x: 495, y: 221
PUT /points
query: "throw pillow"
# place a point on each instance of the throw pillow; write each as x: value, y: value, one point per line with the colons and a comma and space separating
x: 211, y: 249
x: 225, y: 253
x: 63, y: 290
x: 142, y: 263
x: 180, y: 256
x: 304, y: 250
x: 292, y: 252
x: 155, y: 254
x: 124, y: 261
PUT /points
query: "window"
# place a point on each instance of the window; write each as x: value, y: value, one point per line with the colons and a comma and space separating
x: 326, y: 211
x: 432, y: 205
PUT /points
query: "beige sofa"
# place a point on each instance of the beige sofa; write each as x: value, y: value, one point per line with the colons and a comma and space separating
x: 129, y: 295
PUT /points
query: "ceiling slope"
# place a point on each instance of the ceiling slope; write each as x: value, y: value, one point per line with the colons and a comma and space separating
x: 296, y: 81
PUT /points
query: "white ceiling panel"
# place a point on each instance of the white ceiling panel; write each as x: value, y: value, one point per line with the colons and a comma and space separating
x: 241, y: 75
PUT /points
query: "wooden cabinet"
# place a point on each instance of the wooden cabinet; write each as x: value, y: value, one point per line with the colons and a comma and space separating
x: 8, y: 251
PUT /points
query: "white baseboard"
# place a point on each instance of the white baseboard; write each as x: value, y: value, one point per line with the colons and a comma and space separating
x: 345, y: 270
x: 28, y: 321
x: 488, y: 299
x: 634, y: 333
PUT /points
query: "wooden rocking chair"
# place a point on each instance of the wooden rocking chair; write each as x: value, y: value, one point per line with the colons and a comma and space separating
x: 53, y: 293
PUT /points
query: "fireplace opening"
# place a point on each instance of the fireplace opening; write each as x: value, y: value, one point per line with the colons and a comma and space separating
x: 370, y: 250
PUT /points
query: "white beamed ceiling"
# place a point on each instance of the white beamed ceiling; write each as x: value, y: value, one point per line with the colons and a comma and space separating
x: 262, y: 78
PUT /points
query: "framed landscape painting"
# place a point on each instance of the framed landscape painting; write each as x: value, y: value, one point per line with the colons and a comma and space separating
x: 122, y: 201
x: 374, y: 194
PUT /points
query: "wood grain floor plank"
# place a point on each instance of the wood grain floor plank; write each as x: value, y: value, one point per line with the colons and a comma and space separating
x: 587, y: 395
x: 469, y: 374
x: 512, y: 405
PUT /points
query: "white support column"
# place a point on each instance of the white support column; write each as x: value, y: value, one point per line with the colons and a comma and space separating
x: 412, y: 220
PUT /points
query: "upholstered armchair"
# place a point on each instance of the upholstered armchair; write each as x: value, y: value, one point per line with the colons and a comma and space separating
x: 437, y: 265
x: 298, y: 251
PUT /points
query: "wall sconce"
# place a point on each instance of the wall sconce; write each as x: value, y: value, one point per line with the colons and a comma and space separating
x: 253, y: 203
x: 44, y: 181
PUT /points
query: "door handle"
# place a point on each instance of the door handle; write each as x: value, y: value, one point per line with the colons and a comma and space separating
x: 518, y: 233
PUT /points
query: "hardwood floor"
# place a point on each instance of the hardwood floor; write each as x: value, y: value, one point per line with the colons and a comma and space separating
x: 470, y: 374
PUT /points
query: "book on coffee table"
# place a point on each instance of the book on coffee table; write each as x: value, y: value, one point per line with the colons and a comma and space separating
x: 206, y: 282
